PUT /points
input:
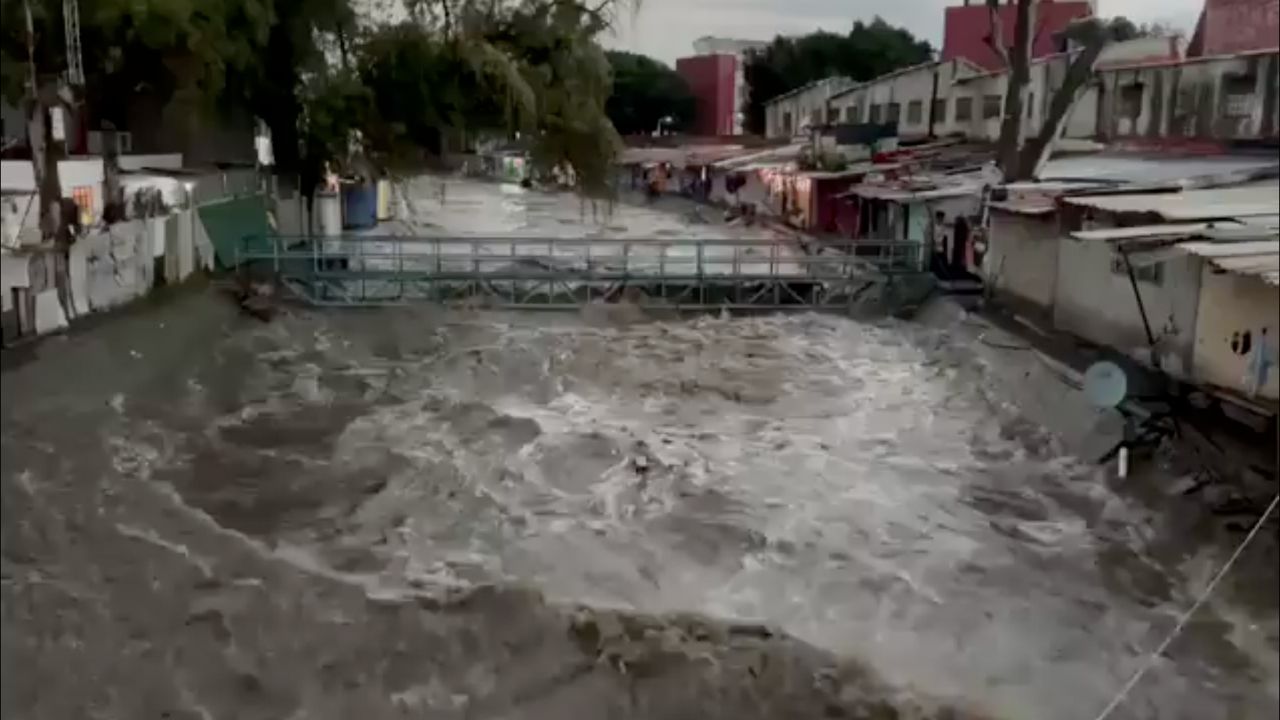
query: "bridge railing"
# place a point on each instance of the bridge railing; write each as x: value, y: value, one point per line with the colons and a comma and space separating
x: 463, y: 258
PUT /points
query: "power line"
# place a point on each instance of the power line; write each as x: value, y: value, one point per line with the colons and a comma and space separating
x: 1186, y: 616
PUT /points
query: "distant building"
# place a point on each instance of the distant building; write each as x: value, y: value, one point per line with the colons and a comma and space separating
x: 715, y: 74
x: 1231, y: 27
x: 711, y: 79
x: 967, y: 29
x: 793, y: 113
x: 958, y: 98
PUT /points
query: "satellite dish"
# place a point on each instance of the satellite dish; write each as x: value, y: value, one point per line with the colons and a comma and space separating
x: 1105, y: 384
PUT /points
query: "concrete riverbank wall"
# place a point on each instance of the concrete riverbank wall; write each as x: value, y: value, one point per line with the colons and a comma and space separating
x: 112, y: 265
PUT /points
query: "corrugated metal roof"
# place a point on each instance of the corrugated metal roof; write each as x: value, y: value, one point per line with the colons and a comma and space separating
x: 1234, y: 202
x: 836, y: 80
x: 682, y: 156
x: 1145, y: 232
x: 1151, y: 169
x: 899, y: 194
x: 1210, y: 249
x: 1023, y: 208
x: 763, y: 158
x: 1255, y: 257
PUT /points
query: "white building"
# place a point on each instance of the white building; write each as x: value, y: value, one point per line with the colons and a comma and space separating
x: 793, y: 113
x: 1140, y: 77
x: 958, y: 98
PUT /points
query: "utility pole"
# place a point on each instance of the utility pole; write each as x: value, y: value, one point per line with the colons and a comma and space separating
x: 46, y: 137
x: 44, y: 123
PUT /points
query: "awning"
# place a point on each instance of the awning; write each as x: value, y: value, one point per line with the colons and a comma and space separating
x: 901, y: 195
x: 1260, y: 258
x: 1023, y: 208
x: 767, y: 157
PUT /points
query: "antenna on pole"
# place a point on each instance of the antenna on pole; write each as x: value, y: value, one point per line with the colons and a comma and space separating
x: 75, y: 60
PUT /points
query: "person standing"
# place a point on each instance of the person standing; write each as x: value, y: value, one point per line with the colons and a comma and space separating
x: 959, y: 246
x: 938, y: 243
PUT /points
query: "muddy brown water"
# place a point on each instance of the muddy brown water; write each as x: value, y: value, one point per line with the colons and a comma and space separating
x: 443, y: 513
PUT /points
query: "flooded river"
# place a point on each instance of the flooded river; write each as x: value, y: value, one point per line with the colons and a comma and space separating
x: 421, y: 512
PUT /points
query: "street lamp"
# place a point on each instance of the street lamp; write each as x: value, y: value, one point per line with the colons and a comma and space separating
x: 664, y: 120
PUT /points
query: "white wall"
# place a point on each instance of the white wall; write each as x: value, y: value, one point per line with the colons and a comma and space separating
x: 1022, y: 258
x: 802, y: 105
x: 1189, y: 99
x: 117, y: 263
x: 1231, y: 304
x: 72, y: 174
x: 956, y: 81
x: 1094, y: 303
x: 903, y: 87
x: 19, y: 218
x: 165, y: 161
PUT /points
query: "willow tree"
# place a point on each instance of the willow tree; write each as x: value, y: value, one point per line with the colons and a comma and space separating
x: 527, y: 69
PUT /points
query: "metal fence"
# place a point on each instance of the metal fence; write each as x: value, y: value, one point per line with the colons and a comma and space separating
x: 567, y: 272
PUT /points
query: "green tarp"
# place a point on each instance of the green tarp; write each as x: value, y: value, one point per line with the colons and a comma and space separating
x: 235, y: 226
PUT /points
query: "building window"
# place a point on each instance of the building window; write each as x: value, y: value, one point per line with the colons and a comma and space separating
x: 815, y: 118
x: 990, y: 106
x: 1131, y: 101
x: 939, y: 111
x: 833, y: 115
x: 964, y: 109
x: 875, y: 113
x: 895, y: 111
x: 1153, y: 273
x: 915, y: 112
x: 852, y: 114
x: 786, y: 122
x: 1031, y: 105
x: 1238, y: 96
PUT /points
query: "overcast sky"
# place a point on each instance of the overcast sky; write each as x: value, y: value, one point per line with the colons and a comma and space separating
x: 666, y: 29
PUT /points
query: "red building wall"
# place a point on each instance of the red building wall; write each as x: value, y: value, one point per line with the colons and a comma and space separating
x: 967, y: 28
x: 1227, y: 27
x: 712, y: 79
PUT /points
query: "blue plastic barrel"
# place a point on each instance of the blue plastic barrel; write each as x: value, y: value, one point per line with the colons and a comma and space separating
x: 359, y: 206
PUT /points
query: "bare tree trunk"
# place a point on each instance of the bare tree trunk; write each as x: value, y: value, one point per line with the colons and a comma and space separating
x: 1019, y: 65
x: 1019, y: 161
x: 1036, y: 151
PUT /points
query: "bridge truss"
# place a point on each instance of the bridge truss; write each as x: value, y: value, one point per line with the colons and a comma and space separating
x: 565, y: 273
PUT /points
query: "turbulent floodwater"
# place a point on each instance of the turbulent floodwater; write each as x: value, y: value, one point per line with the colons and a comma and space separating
x: 429, y: 513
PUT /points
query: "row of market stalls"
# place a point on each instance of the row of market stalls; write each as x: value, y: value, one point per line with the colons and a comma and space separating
x: 889, y: 196
x: 1169, y: 259
x: 1172, y: 262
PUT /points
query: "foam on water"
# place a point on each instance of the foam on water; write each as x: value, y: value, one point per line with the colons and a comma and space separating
x: 822, y: 475
x: 872, y: 489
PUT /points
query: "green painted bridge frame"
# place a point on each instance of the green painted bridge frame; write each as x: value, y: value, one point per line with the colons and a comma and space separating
x: 566, y: 273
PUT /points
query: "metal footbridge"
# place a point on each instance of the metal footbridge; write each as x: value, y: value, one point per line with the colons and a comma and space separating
x: 564, y: 273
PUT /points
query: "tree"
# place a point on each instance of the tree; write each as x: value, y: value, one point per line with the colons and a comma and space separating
x: 644, y: 92
x: 1122, y: 28
x: 319, y: 73
x: 867, y: 51
x: 501, y: 67
x: 1017, y: 158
